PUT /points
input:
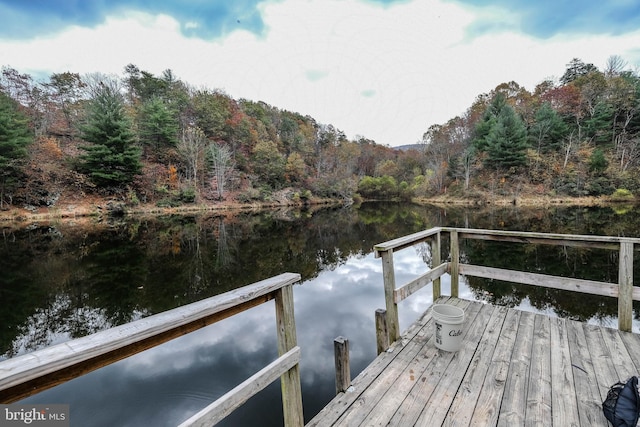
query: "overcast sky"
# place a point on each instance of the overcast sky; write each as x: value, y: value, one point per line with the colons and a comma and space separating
x: 383, y: 69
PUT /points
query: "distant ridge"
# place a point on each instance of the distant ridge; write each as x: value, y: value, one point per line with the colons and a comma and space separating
x: 408, y: 147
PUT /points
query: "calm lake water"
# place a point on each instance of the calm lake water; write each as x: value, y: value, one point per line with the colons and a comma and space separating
x: 61, y: 281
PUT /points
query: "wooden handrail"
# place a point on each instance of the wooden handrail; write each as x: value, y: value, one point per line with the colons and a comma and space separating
x: 546, y: 281
x: 232, y: 400
x: 623, y: 290
x: 406, y: 241
x: 422, y: 281
x: 582, y: 240
x: 28, y: 374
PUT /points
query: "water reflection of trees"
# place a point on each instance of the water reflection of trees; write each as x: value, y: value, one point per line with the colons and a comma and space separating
x: 66, y: 282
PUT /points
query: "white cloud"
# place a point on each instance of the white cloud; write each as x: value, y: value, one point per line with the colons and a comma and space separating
x: 387, y: 73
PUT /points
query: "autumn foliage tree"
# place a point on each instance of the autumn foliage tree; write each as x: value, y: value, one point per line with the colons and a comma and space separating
x: 221, y: 167
x: 191, y: 148
x: 269, y: 164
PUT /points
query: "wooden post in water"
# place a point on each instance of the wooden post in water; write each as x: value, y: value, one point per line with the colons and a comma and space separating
x: 455, y: 259
x: 435, y: 261
x: 388, y: 275
x: 382, y: 331
x: 290, y: 381
x: 625, y: 287
x: 343, y: 370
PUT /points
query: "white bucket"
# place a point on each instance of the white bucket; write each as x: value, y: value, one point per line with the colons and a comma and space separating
x: 448, y: 321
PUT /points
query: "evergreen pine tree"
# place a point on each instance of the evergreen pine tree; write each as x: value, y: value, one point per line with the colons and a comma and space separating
x: 113, y: 158
x: 548, y: 129
x: 598, y: 126
x: 488, y: 120
x: 507, y: 141
x: 158, y: 126
x: 501, y: 134
x: 597, y: 162
x: 14, y: 138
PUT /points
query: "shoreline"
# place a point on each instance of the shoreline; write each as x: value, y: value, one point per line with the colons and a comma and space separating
x: 98, y: 209
x: 85, y: 212
x: 524, y: 201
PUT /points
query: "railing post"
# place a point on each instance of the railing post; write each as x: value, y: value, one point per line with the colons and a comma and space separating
x: 382, y: 331
x: 290, y: 381
x: 388, y: 275
x: 343, y: 370
x: 455, y: 259
x: 625, y: 287
x: 435, y: 261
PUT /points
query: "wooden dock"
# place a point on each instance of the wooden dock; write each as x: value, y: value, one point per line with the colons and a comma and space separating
x: 515, y: 368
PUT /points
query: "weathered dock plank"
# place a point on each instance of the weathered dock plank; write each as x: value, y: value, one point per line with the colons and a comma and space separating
x: 460, y: 413
x: 412, y: 376
x: 563, y: 390
x: 584, y: 377
x: 620, y: 355
x: 437, y: 363
x: 633, y: 347
x: 512, y: 410
x: 601, y: 358
x: 445, y: 391
x: 514, y: 369
x: 487, y: 407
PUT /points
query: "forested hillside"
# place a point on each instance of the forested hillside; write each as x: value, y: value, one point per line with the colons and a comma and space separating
x: 579, y: 136
x: 141, y: 138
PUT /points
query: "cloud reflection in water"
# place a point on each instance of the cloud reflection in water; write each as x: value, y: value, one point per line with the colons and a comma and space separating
x: 167, y: 384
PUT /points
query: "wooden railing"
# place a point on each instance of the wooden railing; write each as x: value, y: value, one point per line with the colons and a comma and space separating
x: 28, y: 374
x: 387, y: 325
